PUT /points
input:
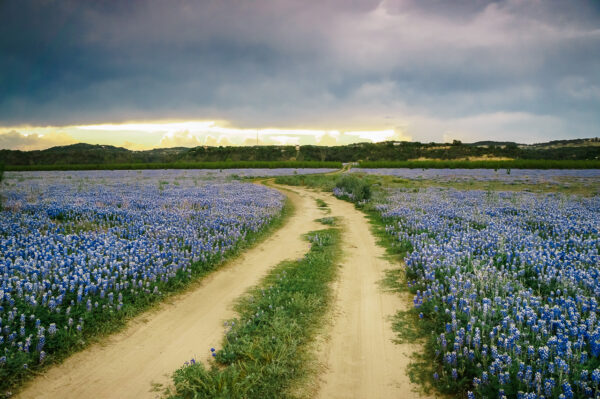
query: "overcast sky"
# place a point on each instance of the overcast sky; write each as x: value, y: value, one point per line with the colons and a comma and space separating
x: 330, y: 72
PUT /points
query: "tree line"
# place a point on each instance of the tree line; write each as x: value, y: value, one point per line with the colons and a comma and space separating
x: 86, y: 154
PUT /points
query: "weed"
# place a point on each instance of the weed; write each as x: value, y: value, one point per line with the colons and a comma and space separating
x: 266, y: 349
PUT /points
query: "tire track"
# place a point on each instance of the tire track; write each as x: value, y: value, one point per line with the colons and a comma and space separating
x: 156, y: 343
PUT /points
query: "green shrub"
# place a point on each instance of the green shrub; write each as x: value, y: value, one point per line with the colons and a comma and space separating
x: 358, y: 187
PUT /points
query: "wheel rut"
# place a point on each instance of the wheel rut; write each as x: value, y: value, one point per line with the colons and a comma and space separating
x: 358, y: 355
x: 155, y: 344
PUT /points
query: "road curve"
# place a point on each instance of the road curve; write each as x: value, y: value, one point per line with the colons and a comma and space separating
x: 155, y: 344
x: 359, y: 357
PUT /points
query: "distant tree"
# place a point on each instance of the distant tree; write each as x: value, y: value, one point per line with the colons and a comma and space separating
x: 456, y: 142
x: 1, y: 175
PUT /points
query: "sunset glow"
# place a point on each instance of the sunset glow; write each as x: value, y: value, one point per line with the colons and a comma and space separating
x: 157, y: 134
x: 143, y: 75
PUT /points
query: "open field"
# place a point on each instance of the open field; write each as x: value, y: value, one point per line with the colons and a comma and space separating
x: 80, y: 256
x: 572, y: 181
x: 471, y: 164
x: 421, y: 285
x: 504, y: 285
x: 300, y: 199
x: 503, y: 282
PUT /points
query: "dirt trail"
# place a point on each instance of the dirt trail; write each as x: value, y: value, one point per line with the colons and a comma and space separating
x: 360, y: 358
x: 157, y: 343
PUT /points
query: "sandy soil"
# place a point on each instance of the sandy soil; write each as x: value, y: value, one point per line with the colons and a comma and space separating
x: 361, y: 360
x: 127, y: 364
x: 358, y: 356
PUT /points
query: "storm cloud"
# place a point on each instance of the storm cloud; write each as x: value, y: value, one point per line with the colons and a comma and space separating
x: 515, y: 69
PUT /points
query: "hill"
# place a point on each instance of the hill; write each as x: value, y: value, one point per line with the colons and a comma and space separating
x: 87, y: 154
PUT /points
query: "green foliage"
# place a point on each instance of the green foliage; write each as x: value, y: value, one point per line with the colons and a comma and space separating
x: 358, y: 187
x: 321, y: 203
x: 1, y: 176
x: 329, y: 220
x: 120, y: 158
x: 324, y: 182
x: 266, y: 353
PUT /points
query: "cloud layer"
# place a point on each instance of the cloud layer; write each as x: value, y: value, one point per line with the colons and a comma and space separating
x: 163, y: 134
x: 26, y: 142
x: 511, y: 69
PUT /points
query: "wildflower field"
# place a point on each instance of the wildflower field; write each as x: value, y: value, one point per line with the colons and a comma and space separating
x: 550, y: 177
x: 505, y: 286
x: 504, y: 271
x: 81, y: 250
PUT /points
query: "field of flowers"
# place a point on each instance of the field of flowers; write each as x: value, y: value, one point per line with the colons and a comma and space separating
x: 514, y: 176
x: 163, y: 174
x: 507, y: 283
x: 81, y: 249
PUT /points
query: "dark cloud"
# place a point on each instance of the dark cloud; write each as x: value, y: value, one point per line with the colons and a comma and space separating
x: 423, y: 63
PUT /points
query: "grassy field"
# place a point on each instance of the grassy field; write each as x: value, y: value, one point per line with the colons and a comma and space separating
x: 265, y: 352
x: 512, y: 164
x: 181, y: 165
x: 377, y: 183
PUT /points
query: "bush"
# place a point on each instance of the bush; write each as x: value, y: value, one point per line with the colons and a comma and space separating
x: 354, y: 187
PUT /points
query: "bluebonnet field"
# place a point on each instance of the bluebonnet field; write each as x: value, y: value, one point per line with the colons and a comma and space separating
x: 513, y: 176
x: 509, y: 283
x: 80, y: 249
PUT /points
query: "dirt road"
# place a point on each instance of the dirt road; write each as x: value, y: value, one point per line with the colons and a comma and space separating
x: 359, y: 357
x: 127, y: 364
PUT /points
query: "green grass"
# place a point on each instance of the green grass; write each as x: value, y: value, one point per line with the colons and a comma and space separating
x: 358, y: 185
x: 323, y: 182
x: 509, y: 164
x: 329, y: 220
x: 266, y: 352
x: 182, y: 165
x: 377, y: 183
x: 100, y: 325
x: 321, y: 203
x: 585, y: 188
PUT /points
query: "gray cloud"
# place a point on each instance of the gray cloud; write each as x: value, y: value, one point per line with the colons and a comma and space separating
x: 428, y: 66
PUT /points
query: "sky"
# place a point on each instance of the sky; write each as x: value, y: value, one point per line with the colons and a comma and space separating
x: 153, y: 73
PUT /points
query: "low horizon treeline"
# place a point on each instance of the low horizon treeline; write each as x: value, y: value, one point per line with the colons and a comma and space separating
x: 87, y: 154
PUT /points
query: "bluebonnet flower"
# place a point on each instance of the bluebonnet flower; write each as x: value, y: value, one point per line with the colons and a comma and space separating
x: 118, y: 239
x: 491, y: 277
x: 568, y: 392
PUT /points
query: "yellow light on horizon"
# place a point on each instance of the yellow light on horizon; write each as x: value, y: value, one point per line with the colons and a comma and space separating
x: 174, y: 133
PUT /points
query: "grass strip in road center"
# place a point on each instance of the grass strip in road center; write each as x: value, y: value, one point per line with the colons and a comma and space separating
x: 267, y: 350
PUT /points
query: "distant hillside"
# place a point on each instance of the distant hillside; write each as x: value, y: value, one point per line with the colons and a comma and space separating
x: 87, y: 154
